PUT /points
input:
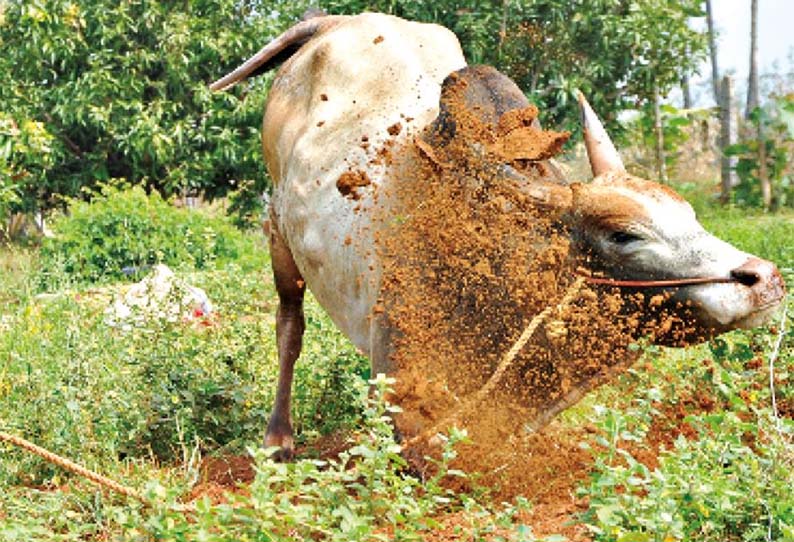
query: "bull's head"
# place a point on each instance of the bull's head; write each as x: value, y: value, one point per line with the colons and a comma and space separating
x: 621, y: 227
x: 632, y: 229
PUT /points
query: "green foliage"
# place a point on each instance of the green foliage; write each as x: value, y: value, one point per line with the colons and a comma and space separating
x: 101, y: 90
x: 729, y: 481
x: 349, y: 498
x: 161, y: 390
x: 676, y: 125
x: 167, y: 392
x: 776, y: 124
x: 21, y: 148
x: 124, y: 228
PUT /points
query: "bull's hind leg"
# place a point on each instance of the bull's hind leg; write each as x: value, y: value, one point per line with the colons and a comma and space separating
x: 290, y: 324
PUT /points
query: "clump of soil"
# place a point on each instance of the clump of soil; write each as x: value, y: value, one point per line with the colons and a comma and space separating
x: 394, y: 129
x: 220, y: 475
x: 349, y: 182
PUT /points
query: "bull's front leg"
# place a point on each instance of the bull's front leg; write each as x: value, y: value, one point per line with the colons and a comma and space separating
x: 290, y: 324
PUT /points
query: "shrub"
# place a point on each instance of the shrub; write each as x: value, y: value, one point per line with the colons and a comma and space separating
x: 124, y: 230
x: 774, y: 131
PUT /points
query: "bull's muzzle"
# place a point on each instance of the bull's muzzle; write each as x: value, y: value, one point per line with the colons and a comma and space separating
x: 764, y: 281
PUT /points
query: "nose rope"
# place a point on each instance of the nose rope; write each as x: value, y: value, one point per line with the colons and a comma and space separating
x: 667, y: 283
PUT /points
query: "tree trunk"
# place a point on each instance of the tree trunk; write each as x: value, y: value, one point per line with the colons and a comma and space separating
x: 715, y: 71
x: 727, y: 138
x: 502, y: 28
x: 752, y: 83
x: 686, y: 91
x: 661, y: 167
x: 763, y: 172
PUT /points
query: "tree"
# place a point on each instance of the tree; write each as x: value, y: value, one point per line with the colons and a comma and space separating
x: 727, y: 139
x: 658, y: 131
x: 753, y: 104
x: 752, y: 81
x: 712, y: 38
x: 118, y: 89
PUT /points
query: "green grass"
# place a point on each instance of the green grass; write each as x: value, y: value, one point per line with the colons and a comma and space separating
x: 144, y: 406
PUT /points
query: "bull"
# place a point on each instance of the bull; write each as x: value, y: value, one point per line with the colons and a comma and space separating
x: 358, y: 97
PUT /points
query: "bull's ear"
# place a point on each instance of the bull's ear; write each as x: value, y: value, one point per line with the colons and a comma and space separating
x: 601, y: 151
x: 551, y: 195
x: 544, y: 194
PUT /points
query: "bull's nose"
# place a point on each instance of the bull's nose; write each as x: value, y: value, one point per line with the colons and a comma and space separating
x: 762, y: 277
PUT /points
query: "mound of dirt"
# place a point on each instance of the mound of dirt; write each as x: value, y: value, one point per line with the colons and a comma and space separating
x: 221, y: 475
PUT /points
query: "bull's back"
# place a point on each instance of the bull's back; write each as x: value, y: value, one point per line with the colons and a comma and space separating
x: 362, y: 83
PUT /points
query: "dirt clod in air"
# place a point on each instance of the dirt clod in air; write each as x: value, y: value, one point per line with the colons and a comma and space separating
x: 469, y: 259
x: 324, y: 97
x: 394, y: 129
x: 377, y: 40
x: 349, y: 182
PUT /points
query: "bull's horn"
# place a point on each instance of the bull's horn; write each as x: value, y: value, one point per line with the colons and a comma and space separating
x: 601, y: 151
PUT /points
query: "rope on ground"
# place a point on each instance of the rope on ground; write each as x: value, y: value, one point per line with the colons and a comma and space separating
x: 71, y: 466
x: 504, y: 364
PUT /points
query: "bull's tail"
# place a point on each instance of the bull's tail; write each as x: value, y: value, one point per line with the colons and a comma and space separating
x: 276, y: 51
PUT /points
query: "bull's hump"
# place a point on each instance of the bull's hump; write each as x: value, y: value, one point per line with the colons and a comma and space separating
x: 356, y: 79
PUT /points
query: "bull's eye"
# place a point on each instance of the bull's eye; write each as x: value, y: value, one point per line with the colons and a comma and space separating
x: 623, y: 237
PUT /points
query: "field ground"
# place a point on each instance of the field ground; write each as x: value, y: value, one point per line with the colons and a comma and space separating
x: 684, y: 446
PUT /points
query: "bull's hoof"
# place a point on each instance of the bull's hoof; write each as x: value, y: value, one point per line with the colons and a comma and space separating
x: 284, y: 443
x: 283, y: 455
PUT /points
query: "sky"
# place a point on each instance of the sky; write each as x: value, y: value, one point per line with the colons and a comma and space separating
x: 775, y: 42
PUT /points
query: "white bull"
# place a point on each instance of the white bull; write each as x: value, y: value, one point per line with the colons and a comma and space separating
x: 356, y: 84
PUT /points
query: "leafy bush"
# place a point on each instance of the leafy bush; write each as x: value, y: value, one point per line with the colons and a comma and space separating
x: 97, y: 394
x: 124, y: 229
x: 776, y: 124
x: 104, y: 89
